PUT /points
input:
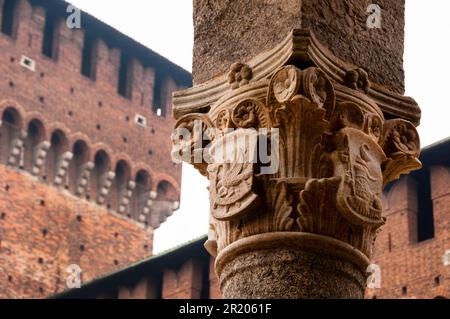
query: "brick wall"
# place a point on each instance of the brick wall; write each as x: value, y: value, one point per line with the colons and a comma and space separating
x: 57, y: 93
x: 409, y: 268
x: 98, y: 160
x: 44, y: 230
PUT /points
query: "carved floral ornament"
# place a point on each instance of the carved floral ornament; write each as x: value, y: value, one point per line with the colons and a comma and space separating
x: 335, y: 152
x: 301, y: 151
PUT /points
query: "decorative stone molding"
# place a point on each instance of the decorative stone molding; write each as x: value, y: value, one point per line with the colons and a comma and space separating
x: 106, y: 183
x: 340, y: 139
x: 301, y: 46
x: 17, y: 147
x: 40, y: 156
x: 62, y: 167
x: 83, y: 179
x: 124, y: 200
x: 160, y: 212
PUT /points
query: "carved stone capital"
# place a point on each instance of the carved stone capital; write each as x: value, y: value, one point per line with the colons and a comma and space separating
x: 331, y: 140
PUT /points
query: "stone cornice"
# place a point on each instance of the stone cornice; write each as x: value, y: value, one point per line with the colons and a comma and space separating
x: 301, y: 48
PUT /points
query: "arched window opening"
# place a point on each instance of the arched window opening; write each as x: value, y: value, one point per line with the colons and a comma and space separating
x: 141, y: 194
x: 77, y: 165
x: 102, y: 165
x: 9, y: 131
x: 58, y: 146
x: 35, y: 136
x: 120, y: 185
x: 166, y: 192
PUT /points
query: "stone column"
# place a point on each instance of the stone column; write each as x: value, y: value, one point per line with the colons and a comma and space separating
x: 301, y: 221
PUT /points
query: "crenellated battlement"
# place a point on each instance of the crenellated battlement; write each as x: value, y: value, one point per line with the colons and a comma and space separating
x: 104, y: 55
x: 101, y: 95
x: 411, y: 248
x: 85, y: 138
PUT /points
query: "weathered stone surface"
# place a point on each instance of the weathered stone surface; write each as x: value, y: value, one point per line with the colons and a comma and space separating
x: 302, y: 223
x: 283, y: 273
x: 227, y: 31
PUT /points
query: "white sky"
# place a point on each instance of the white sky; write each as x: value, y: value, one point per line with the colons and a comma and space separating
x: 165, y: 26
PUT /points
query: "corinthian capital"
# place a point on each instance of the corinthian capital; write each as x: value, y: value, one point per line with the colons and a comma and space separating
x: 297, y: 152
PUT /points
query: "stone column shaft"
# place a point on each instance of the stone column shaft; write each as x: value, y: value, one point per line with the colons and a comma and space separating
x: 297, y: 145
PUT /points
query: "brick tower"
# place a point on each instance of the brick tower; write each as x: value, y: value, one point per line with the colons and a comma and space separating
x: 85, y: 173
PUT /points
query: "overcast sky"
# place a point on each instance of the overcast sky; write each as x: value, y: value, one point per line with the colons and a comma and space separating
x: 166, y: 27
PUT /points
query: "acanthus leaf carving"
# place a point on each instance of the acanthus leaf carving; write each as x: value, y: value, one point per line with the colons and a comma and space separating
x: 279, y: 203
x: 300, y: 103
x: 335, y: 150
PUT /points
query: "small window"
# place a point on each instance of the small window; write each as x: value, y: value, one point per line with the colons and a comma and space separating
x: 8, y: 17
x: 437, y: 280
x: 140, y: 120
x: 159, y: 103
x: 49, y: 41
x: 425, y: 218
x: 125, y: 78
x: 28, y: 63
x: 88, y: 64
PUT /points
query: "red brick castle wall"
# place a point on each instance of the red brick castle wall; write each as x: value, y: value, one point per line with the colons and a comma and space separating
x: 85, y: 167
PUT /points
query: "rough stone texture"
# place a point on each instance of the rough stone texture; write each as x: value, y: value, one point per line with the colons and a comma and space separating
x: 228, y: 31
x: 290, y: 274
x: 43, y: 231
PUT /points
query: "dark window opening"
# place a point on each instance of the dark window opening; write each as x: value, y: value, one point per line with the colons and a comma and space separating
x: 56, y: 139
x: 158, y: 286
x: 8, y: 15
x: 437, y: 280
x: 11, y: 117
x: 157, y: 93
x: 425, y: 220
x: 88, y: 64
x: 125, y: 78
x: 159, y: 104
x: 204, y: 294
x: 49, y: 41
